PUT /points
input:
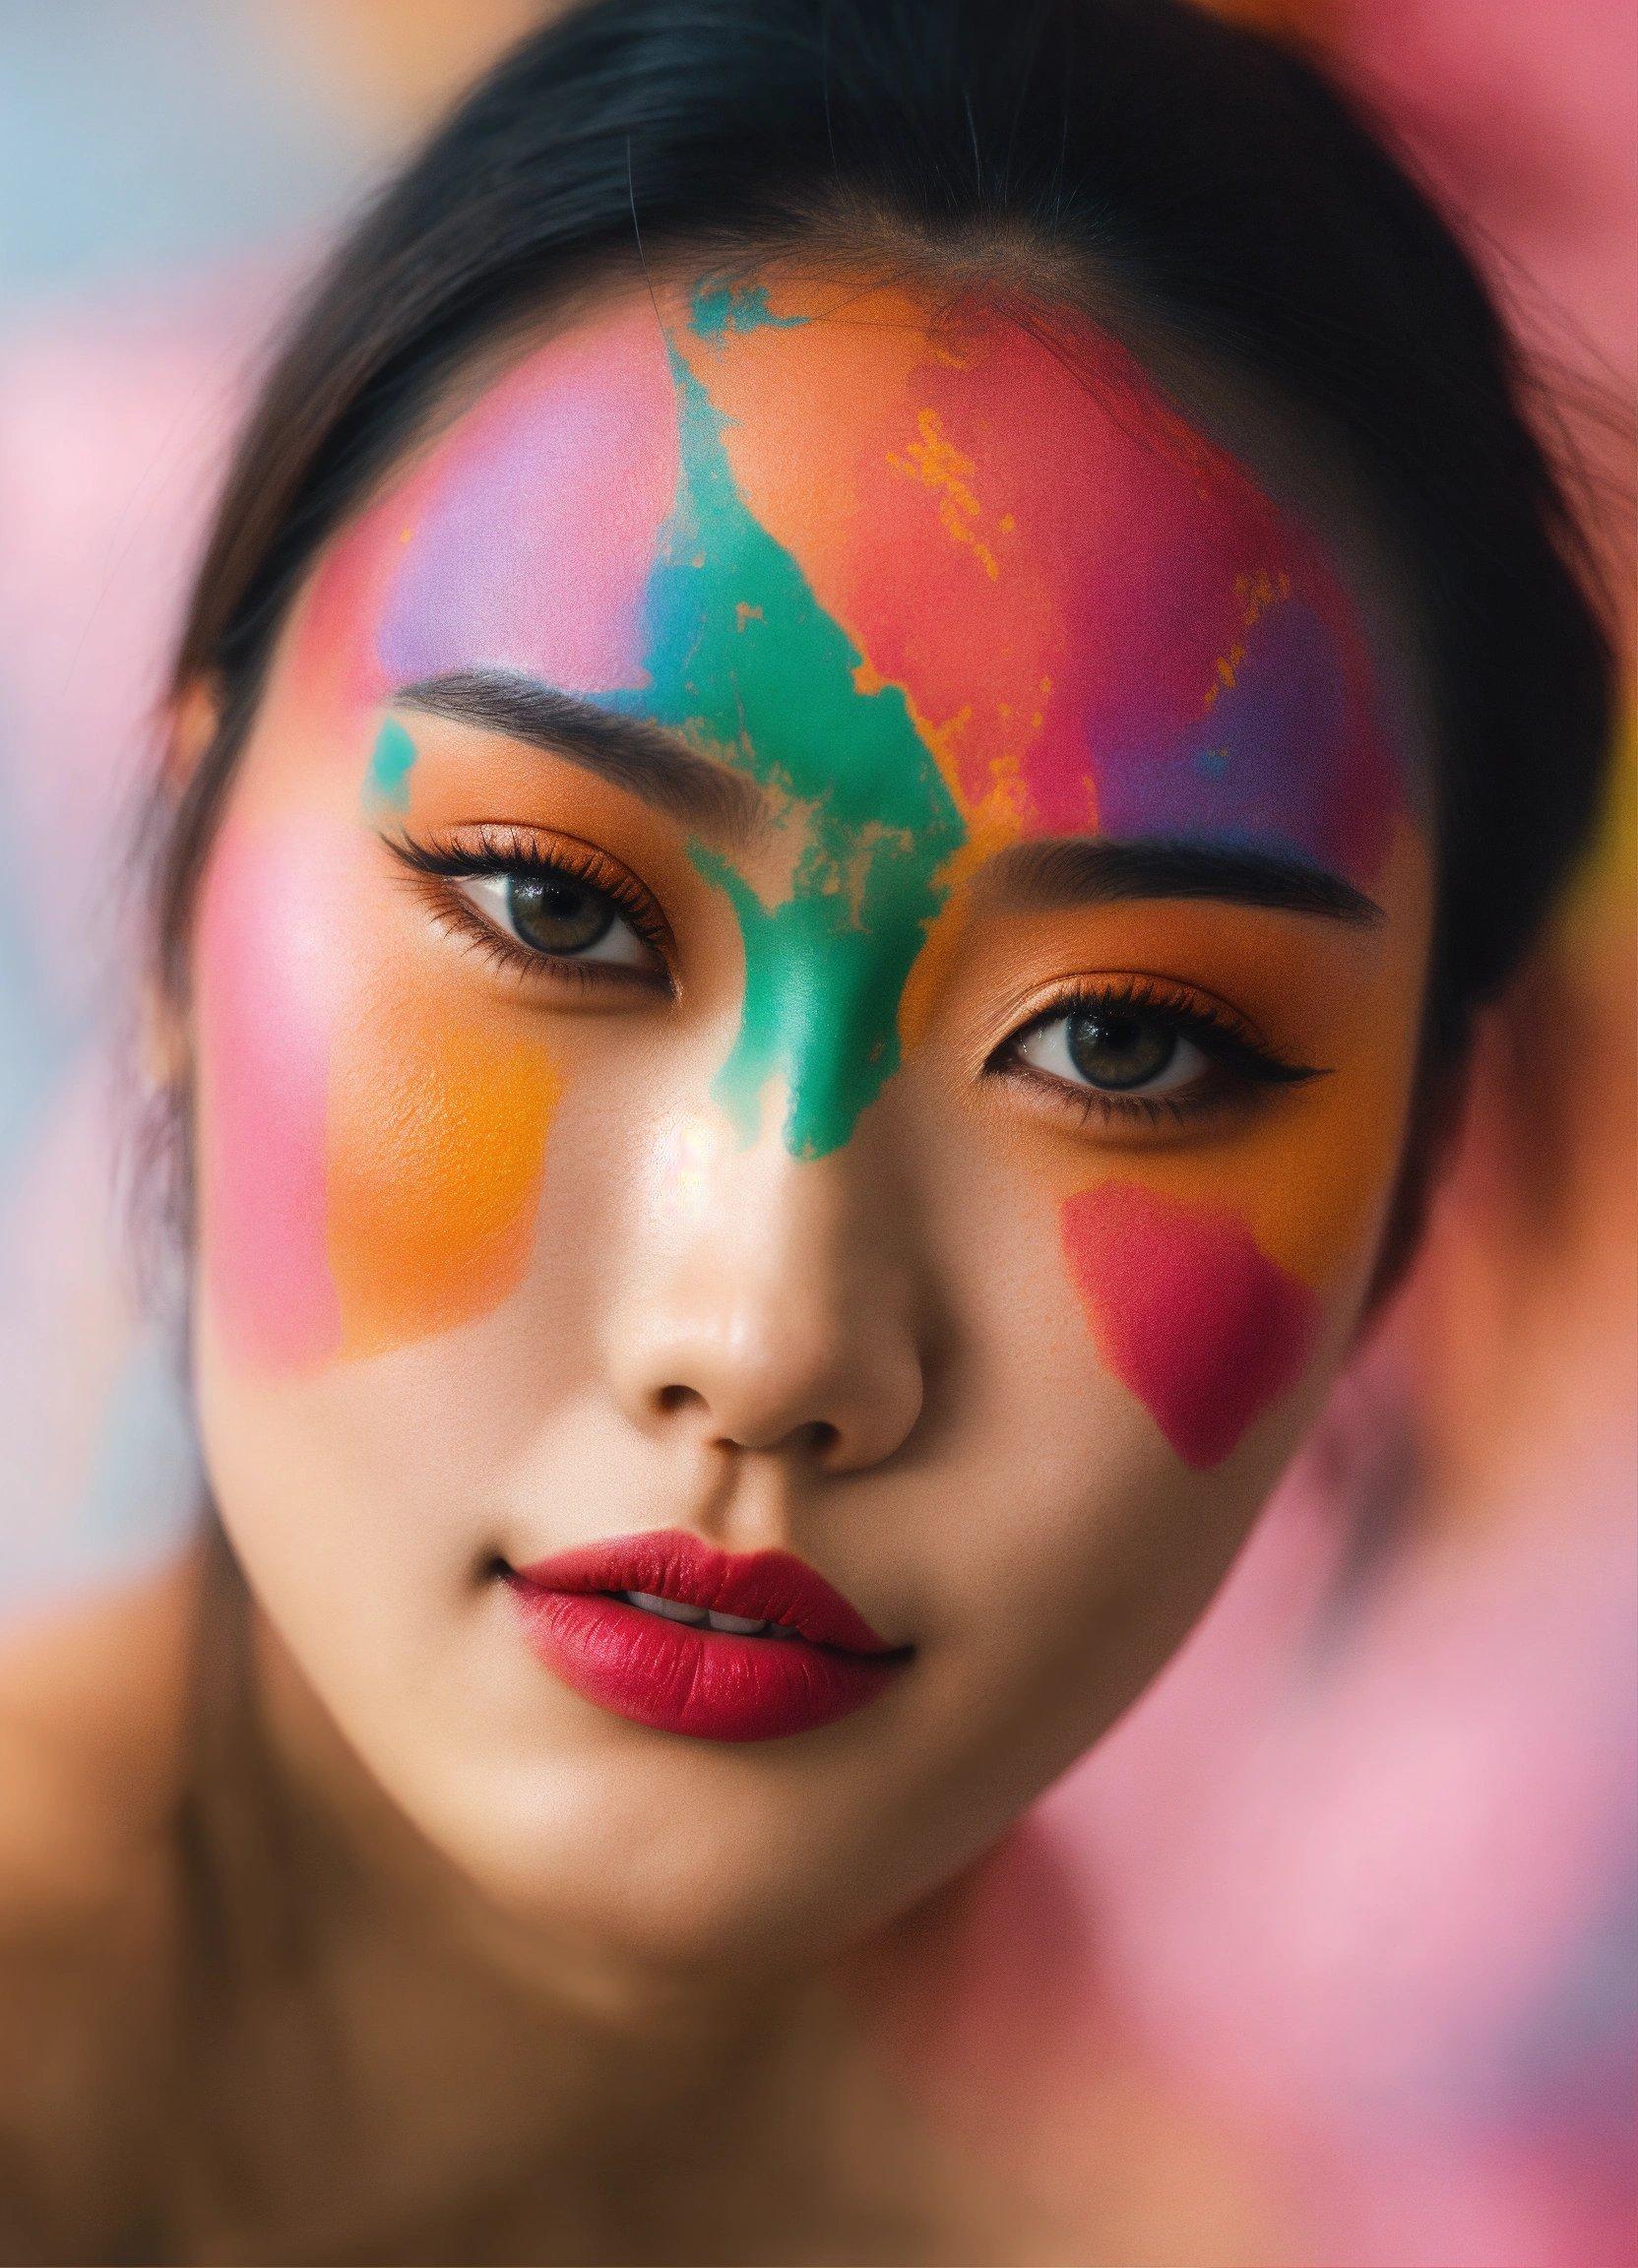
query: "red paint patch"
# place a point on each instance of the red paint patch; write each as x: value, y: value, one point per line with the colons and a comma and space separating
x: 1187, y: 1312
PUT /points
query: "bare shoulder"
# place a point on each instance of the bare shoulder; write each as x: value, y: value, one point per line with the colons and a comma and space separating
x: 92, y: 1709
x: 91, y: 1700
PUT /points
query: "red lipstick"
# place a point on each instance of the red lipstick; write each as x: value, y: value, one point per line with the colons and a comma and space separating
x: 816, y: 1660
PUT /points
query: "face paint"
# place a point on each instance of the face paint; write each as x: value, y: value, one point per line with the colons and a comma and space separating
x: 527, y: 542
x: 935, y: 584
x: 263, y: 1020
x: 436, y: 1134
x: 1100, y: 622
x: 373, y: 1152
x: 854, y: 554
x: 1202, y: 1325
x: 735, y: 640
x: 386, y: 782
x: 726, y: 304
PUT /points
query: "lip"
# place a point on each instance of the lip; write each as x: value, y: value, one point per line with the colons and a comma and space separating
x: 683, y: 1678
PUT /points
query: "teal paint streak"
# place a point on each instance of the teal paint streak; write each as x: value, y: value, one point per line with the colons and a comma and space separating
x: 388, y: 779
x: 743, y: 659
x: 718, y: 306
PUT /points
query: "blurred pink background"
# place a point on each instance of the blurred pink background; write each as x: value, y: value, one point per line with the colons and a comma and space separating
x: 1330, y: 1954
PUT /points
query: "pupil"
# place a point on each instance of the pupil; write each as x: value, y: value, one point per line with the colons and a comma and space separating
x: 1112, y: 1049
x: 556, y: 913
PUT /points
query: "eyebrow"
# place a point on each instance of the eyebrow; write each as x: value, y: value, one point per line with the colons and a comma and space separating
x: 627, y: 751
x: 1042, y: 876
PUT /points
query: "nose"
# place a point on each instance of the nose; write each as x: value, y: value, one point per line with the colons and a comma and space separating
x: 774, y: 1303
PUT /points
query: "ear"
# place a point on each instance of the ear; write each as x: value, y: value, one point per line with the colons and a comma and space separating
x: 188, y: 727
x: 162, y: 1039
x: 189, y: 724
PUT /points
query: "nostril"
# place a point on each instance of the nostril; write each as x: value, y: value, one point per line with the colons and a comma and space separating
x: 815, y: 1439
x: 670, y: 1399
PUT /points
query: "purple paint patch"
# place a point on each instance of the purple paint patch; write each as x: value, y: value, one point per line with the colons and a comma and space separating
x: 530, y: 535
x: 1271, y: 765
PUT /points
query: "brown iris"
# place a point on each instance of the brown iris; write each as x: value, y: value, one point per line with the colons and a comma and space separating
x: 1117, y: 1047
x: 558, y: 913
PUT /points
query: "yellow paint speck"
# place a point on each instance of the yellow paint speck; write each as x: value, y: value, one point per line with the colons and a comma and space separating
x: 935, y: 459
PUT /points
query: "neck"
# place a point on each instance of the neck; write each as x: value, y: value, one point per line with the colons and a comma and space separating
x: 633, y: 2033
x: 627, y: 2109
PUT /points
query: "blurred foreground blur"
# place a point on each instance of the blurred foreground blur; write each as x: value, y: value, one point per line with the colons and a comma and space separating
x: 1330, y: 1954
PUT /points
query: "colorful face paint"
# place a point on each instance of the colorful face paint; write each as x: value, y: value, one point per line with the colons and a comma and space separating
x: 922, y: 582
x: 734, y: 634
x: 1090, y: 608
x: 1202, y: 1325
x: 373, y: 1151
x: 934, y: 584
x: 264, y: 1017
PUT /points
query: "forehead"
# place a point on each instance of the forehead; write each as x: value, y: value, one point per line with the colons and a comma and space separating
x: 1097, y: 619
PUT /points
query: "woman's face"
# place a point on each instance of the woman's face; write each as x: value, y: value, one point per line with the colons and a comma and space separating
x: 818, y: 945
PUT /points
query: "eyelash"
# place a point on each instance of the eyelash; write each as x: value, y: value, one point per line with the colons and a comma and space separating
x: 1240, y: 1063
x: 509, y: 851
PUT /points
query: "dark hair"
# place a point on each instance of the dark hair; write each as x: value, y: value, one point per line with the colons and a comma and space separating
x: 1213, y: 177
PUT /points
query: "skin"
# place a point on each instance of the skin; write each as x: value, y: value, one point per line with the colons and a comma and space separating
x: 778, y: 1238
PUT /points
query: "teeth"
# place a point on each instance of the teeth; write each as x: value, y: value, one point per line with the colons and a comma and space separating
x: 734, y: 1625
x: 673, y: 1610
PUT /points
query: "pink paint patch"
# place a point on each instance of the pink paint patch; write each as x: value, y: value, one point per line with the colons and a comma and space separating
x: 264, y: 935
x: 1188, y: 1313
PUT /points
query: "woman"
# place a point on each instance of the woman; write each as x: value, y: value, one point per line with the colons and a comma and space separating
x: 872, y: 698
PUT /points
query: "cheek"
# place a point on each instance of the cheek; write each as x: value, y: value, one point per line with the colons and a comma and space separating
x: 1187, y: 1312
x: 371, y: 1148
x: 263, y: 983
x: 436, y: 1138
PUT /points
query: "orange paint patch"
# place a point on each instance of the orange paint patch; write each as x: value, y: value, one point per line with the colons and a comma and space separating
x: 436, y: 1148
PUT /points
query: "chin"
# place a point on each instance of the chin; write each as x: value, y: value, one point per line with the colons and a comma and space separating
x: 646, y: 1863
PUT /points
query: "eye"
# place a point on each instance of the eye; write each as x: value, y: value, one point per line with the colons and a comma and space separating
x: 557, y: 915
x: 551, y: 908
x: 1135, y: 1051
x: 1118, y: 1049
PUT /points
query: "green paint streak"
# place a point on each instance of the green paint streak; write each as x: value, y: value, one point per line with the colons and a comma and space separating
x: 718, y: 306
x: 388, y: 779
x: 745, y: 661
